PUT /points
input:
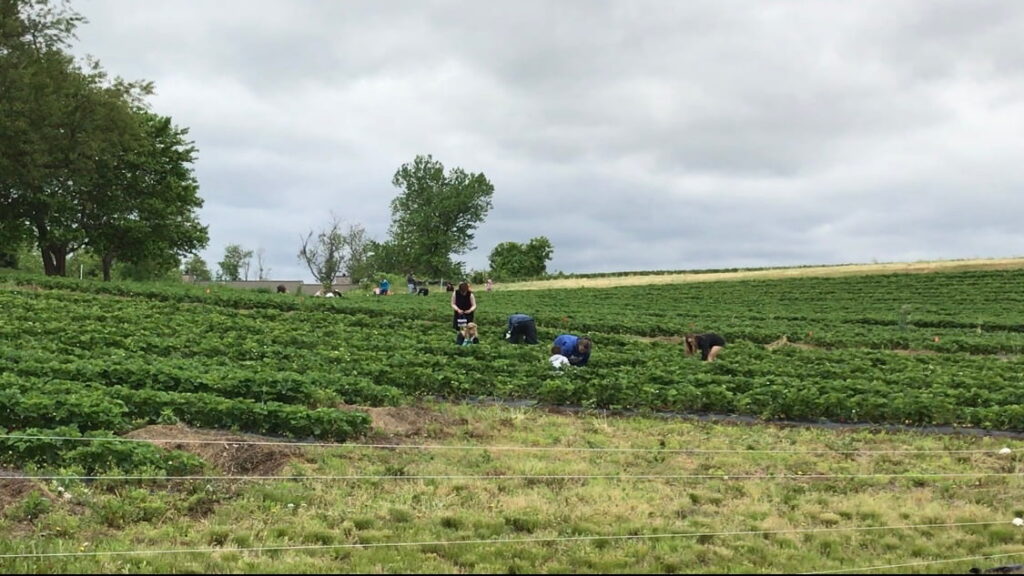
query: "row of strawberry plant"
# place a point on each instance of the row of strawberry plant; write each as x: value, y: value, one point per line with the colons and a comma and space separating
x: 314, y: 389
x: 32, y: 402
x: 67, y: 449
x: 655, y: 311
x: 419, y: 368
x: 945, y: 299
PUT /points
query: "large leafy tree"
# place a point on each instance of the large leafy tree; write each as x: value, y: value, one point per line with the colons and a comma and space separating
x: 358, y: 244
x: 515, y: 260
x: 436, y: 214
x: 379, y: 257
x: 78, y: 152
x: 40, y: 90
x: 235, y: 265
x: 142, y: 207
x: 196, y: 268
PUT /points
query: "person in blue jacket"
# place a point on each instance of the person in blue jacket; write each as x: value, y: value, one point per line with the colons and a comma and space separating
x: 521, y: 328
x: 384, y: 287
x: 575, y: 348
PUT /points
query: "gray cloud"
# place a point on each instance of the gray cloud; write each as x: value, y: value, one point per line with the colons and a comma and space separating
x: 635, y: 134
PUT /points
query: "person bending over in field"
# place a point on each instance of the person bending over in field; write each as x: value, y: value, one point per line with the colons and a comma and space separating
x: 521, y: 328
x: 467, y: 335
x: 575, y: 348
x: 709, y: 344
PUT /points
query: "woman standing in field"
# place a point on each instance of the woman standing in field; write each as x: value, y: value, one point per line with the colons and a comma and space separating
x: 464, y: 304
x: 709, y: 344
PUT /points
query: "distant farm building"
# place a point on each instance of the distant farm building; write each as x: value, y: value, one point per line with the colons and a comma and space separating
x: 341, y: 284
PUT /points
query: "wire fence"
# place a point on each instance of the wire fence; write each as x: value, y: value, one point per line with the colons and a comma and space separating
x: 298, y: 444
x: 491, y: 541
x: 1004, y: 451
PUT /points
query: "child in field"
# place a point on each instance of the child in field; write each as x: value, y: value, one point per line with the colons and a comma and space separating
x: 467, y: 335
x: 557, y: 359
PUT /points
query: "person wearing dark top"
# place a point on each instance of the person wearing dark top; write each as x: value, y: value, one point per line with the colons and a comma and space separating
x: 575, y: 348
x: 410, y: 282
x: 709, y: 345
x: 521, y: 328
x: 464, y: 305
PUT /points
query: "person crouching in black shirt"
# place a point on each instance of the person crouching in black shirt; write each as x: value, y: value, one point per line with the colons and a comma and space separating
x: 709, y: 345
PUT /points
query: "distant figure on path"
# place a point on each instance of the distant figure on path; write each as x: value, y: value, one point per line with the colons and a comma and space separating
x: 709, y: 344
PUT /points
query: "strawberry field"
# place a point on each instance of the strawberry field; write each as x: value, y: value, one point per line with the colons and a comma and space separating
x: 95, y: 359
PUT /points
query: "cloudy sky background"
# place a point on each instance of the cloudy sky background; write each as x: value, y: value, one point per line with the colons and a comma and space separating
x: 635, y: 135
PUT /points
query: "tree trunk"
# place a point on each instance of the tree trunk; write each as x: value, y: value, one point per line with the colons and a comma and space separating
x: 49, y: 268
x: 42, y: 235
x: 108, y: 263
x: 54, y: 255
x: 55, y: 260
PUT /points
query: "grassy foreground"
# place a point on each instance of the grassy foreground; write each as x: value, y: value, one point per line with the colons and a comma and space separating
x: 487, y: 489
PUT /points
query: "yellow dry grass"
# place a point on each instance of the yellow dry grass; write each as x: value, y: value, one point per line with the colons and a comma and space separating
x: 774, y: 273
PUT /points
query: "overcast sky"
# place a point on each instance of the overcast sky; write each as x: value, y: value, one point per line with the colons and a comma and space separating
x: 635, y: 135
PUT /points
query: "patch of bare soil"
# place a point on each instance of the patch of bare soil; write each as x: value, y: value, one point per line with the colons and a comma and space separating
x: 232, y: 454
x: 13, y: 488
x: 24, y: 288
x: 914, y: 352
x: 402, y: 423
x: 1008, y: 569
x: 784, y: 341
x: 803, y: 346
x: 669, y: 339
